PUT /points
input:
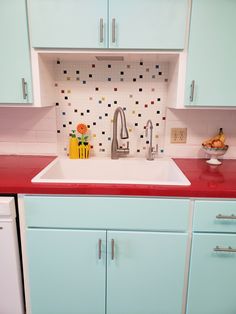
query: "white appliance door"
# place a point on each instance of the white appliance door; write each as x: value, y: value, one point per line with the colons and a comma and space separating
x: 11, y: 300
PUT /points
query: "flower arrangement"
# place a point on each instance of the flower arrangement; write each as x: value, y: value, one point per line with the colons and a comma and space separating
x: 82, y: 129
x: 84, y: 147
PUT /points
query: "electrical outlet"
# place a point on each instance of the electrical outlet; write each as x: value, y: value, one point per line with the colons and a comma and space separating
x: 178, y: 135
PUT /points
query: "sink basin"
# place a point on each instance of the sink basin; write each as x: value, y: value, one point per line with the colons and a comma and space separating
x: 161, y: 171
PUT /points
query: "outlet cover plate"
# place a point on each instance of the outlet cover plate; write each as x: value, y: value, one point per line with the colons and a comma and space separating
x: 178, y: 135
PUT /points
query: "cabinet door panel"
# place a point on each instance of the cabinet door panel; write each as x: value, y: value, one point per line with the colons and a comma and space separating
x: 65, y: 272
x: 147, y: 24
x: 212, y: 275
x: 147, y: 272
x: 15, y: 56
x: 211, y: 55
x: 68, y: 24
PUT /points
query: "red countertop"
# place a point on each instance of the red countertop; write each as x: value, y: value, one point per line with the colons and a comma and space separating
x: 16, y: 173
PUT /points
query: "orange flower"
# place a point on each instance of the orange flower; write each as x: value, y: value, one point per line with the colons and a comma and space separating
x: 82, y: 128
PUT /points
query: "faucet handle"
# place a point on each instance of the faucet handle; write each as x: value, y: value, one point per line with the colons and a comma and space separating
x: 155, y: 150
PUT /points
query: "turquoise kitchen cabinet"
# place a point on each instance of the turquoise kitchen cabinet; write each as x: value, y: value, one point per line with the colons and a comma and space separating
x: 145, y: 272
x: 211, y: 288
x: 68, y: 23
x: 66, y: 270
x: 15, y: 73
x: 149, y: 24
x: 212, y: 275
x: 111, y: 250
x: 211, y: 64
x: 125, y: 24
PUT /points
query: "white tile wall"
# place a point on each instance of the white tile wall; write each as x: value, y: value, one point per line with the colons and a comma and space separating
x: 90, y: 92
x: 28, y: 131
x: 35, y: 130
x: 201, y: 124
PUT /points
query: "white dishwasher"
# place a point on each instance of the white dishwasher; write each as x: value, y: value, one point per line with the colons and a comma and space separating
x: 11, y: 291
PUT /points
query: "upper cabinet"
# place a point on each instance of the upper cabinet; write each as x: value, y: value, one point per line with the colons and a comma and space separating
x: 211, y: 64
x: 124, y: 24
x: 68, y: 23
x: 149, y: 24
x: 15, y: 73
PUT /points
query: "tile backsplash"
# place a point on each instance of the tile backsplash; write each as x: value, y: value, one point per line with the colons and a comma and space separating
x: 89, y: 92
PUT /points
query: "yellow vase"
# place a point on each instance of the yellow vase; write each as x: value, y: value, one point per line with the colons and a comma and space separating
x: 84, y: 151
x: 73, y: 148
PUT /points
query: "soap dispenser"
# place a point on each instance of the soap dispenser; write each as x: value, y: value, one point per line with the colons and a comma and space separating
x: 73, y: 146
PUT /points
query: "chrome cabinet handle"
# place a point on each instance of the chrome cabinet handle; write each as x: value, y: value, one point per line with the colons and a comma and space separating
x: 24, y: 88
x: 113, y: 30
x: 220, y: 216
x: 101, y: 30
x: 228, y: 249
x: 99, y: 248
x: 112, y: 249
x: 192, y: 86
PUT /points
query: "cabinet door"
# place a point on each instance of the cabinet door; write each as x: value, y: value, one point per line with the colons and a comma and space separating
x: 211, y: 56
x: 15, y: 57
x: 212, y: 275
x: 145, y: 272
x: 149, y: 24
x: 68, y: 23
x: 66, y: 271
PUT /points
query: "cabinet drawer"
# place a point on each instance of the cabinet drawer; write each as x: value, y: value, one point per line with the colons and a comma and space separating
x: 107, y: 213
x: 215, y: 216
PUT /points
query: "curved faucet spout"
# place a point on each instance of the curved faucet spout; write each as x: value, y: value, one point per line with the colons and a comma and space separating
x: 123, y: 131
x: 150, y: 151
x: 115, y: 151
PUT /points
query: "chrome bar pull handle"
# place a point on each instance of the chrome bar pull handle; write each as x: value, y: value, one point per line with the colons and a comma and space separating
x: 101, y: 30
x: 192, y: 87
x: 24, y: 88
x: 112, y: 249
x: 228, y: 249
x: 113, y: 31
x: 220, y: 216
x: 99, y: 248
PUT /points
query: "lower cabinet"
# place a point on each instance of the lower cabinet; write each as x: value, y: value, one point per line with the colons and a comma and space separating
x: 212, y: 274
x: 77, y: 270
x: 66, y: 274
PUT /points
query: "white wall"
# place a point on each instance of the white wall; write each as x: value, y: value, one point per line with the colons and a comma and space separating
x: 201, y: 124
x: 26, y: 131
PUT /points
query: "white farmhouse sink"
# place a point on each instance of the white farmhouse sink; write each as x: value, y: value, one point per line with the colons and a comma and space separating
x: 161, y: 171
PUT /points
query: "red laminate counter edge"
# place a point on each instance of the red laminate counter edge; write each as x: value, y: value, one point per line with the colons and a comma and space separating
x: 16, y: 173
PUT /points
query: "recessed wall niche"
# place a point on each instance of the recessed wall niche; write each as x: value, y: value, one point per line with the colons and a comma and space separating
x: 88, y: 91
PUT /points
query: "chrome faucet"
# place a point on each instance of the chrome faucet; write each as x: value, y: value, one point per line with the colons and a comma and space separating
x: 117, y: 152
x: 151, y: 152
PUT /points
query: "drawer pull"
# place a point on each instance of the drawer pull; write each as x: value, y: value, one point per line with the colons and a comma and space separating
x: 99, y: 249
x: 112, y: 249
x: 228, y: 249
x: 226, y: 216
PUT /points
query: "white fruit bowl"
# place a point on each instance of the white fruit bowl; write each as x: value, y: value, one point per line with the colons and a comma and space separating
x: 214, y: 153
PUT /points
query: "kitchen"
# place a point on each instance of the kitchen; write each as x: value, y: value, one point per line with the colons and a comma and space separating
x: 70, y: 85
